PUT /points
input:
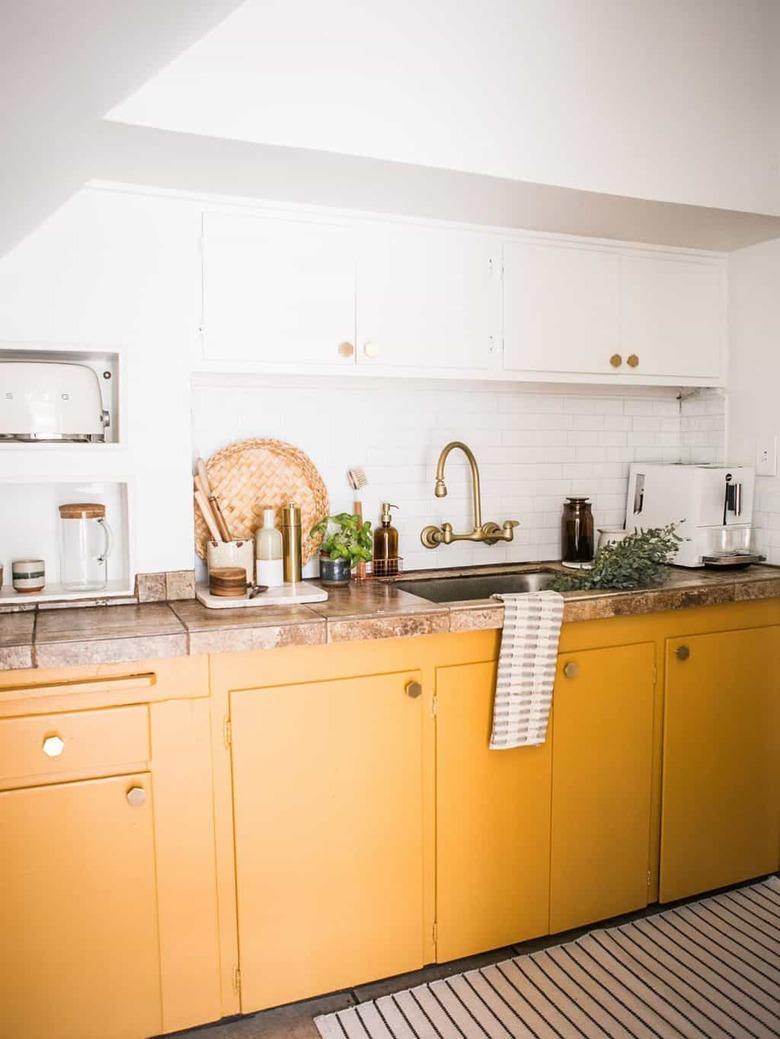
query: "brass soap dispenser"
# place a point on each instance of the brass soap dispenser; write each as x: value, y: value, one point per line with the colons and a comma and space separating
x: 386, y: 544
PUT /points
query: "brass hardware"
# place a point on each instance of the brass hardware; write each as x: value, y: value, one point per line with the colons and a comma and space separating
x: 682, y: 652
x: 570, y: 670
x: 632, y: 360
x: 413, y: 689
x: 346, y: 349
x: 616, y: 360
x: 136, y: 796
x: 53, y: 746
x: 488, y: 533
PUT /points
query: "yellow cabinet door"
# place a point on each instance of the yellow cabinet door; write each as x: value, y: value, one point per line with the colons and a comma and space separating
x: 329, y: 805
x: 492, y: 823
x: 721, y: 771
x: 79, y: 952
x: 601, y: 787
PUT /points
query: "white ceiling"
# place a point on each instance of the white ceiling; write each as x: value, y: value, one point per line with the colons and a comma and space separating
x: 63, y: 65
x: 656, y: 99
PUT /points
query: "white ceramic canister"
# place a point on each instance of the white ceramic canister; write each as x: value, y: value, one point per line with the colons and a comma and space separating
x: 611, y: 535
x: 269, y: 552
x: 28, y: 575
x: 232, y: 553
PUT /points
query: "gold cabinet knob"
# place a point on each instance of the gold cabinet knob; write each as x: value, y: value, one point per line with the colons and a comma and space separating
x: 413, y: 689
x: 682, y: 652
x: 136, y: 796
x: 570, y: 670
x: 632, y: 360
x: 53, y: 746
x: 346, y: 349
x: 616, y: 360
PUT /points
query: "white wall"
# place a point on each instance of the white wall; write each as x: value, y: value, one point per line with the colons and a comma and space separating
x: 534, y: 446
x: 670, y: 99
x: 754, y: 376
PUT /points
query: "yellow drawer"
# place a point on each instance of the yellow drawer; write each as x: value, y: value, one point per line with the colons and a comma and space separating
x: 51, y: 745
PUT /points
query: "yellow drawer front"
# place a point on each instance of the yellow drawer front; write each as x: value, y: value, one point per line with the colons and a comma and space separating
x: 51, y: 745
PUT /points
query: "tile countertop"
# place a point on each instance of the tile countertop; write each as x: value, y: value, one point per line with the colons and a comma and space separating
x: 103, y: 634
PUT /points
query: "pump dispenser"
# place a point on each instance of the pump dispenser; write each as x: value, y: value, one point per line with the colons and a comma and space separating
x: 386, y: 544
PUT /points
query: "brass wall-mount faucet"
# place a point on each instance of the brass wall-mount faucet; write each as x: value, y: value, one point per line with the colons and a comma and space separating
x: 488, y: 533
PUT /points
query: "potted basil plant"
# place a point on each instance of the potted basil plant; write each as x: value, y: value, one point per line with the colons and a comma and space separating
x: 346, y: 542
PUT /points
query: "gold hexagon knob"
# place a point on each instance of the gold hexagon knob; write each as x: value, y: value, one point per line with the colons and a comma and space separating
x: 53, y: 746
x: 413, y: 689
x: 616, y: 360
x: 136, y: 796
x: 346, y: 349
x: 682, y: 652
x: 570, y: 670
x: 632, y: 360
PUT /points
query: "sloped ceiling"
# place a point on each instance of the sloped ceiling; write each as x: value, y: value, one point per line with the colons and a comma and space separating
x: 63, y: 66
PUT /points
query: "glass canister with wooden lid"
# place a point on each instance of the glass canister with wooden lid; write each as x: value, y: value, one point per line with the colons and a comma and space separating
x: 85, y: 545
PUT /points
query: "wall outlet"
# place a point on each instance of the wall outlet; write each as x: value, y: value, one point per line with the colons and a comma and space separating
x: 766, y: 457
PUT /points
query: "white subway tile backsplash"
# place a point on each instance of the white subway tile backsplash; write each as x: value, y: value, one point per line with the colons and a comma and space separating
x: 534, y: 445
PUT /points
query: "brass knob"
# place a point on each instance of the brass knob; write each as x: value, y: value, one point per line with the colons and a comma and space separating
x: 632, y: 360
x: 53, y: 746
x: 682, y: 652
x: 346, y: 349
x: 570, y: 670
x: 616, y: 360
x: 136, y: 796
x: 413, y: 689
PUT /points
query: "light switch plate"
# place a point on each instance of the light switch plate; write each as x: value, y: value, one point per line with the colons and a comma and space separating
x: 766, y: 457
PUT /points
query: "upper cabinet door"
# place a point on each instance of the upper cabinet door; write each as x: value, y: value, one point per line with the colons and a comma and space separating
x: 673, y: 318
x: 428, y: 298
x: 561, y: 308
x: 277, y: 290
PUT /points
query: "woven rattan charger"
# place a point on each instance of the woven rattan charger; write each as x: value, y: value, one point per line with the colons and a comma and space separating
x: 251, y: 475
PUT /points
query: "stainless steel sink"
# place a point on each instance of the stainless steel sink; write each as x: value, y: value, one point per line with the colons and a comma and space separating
x: 478, y: 586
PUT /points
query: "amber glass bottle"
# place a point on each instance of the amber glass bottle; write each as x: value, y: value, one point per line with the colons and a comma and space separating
x: 577, y: 531
x: 386, y: 544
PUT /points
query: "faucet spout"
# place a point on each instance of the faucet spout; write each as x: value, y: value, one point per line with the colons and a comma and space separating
x: 488, y: 533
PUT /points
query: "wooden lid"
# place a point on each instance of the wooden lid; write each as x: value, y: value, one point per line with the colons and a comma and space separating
x: 89, y: 509
x: 228, y: 580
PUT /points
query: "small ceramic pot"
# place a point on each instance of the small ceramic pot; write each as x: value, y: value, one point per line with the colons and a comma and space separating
x: 232, y: 553
x: 611, y: 535
x: 334, y: 572
x: 28, y: 575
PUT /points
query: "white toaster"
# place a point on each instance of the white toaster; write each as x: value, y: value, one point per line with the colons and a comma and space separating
x: 50, y: 400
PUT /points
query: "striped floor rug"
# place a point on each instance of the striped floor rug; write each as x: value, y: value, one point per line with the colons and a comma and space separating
x: 709, y: 969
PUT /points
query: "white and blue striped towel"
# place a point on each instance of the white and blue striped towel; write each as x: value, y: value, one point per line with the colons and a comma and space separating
x: 526, y: 668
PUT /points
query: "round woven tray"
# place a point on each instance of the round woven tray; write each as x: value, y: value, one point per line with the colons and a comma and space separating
x: 252, y: 475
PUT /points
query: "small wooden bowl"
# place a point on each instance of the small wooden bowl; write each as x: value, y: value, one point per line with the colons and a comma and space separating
x: 228, y: 581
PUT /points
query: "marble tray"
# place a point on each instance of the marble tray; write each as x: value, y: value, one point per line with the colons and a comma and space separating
x: 284, y: 595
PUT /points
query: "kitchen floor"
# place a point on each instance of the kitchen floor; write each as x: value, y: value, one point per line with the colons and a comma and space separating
x: 296, y: 1020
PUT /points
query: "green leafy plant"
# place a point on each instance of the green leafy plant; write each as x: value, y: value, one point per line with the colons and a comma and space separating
x: 345, y: 536
x: 638, y: 561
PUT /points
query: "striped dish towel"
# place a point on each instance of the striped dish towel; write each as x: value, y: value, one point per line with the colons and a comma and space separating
x: 526, y: 668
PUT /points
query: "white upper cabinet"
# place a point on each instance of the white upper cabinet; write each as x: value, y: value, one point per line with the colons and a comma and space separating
x: 428, y: 298
x: 278, y: 290
x: 673, y: 314
x: 561, y: 308
x: 604, y: 311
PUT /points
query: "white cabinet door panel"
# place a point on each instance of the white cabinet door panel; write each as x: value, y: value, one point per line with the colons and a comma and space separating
x: 673, y: 314
x: 277, y: 290
x: 561, y: 308
x: 427, y: 298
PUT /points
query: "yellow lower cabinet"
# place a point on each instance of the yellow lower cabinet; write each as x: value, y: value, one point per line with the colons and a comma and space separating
x: 721, y: 772
x: 328, y: 805
x: 601, y: 784
x: 492, y: 822
x: 79, y: 952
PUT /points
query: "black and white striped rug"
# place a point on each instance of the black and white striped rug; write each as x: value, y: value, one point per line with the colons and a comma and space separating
x: 706, y: 970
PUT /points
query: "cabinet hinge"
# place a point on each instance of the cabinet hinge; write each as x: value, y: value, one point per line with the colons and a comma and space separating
x: 655, y: 676
x: 435, y: 705
x: 649, y: 878
x: 227, y: 733
x: 435, y: 932
x: 237, y: 980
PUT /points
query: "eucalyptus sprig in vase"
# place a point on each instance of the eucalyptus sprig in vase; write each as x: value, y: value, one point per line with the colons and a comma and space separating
x: 346, y: 542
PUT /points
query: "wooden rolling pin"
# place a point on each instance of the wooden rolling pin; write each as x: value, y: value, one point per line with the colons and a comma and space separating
x: 205, y: 487
x: 208, y: 518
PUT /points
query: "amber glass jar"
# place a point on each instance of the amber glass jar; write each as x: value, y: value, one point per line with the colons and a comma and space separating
x: 577, y: 531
